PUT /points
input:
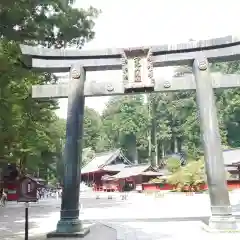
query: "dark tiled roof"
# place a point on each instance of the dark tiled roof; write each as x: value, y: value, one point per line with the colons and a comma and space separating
x: 102, y: 160
x: 114, y: 167
x: 132, y: 171
x: 151, y: 173
x: 164, y: 172
x: 231, y: 168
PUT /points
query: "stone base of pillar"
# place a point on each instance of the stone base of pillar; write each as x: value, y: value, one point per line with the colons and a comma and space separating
x: 221, y: 224
x: 69, y: 228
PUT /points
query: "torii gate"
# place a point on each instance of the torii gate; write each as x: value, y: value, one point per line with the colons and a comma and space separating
x: 137, y: 69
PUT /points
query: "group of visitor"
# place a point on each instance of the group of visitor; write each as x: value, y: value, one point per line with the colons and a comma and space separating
x: 41, y: 194
x: 49, y: 193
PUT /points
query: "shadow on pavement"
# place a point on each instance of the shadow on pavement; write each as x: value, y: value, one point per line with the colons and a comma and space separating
x: 12, y: 220
x: 236, y: 207
x: 130, y: 233
x: 12, y: 217
x: 97, y: 231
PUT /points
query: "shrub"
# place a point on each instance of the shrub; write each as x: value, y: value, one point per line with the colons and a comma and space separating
x: 189, y: 177
x: 173, y: 164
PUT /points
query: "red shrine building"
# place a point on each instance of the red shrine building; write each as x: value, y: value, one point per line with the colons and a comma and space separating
x: 107, y: 163
x: 232, y: 164
x: 113, y: 171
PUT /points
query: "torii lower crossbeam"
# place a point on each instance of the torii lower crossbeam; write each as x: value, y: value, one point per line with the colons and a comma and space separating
x: 98, y: 88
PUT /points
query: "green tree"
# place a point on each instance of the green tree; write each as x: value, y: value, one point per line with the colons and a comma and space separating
x: 46, y: 22
x: 27, y: 126
x: 92, y: 129
x: 189, y: 177
x: 228, y: 105
x: 173, y: 164
x: 125, y: 122
x: 87, y: 155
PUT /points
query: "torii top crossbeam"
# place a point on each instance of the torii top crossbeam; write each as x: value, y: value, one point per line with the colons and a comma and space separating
x: 60, y: 60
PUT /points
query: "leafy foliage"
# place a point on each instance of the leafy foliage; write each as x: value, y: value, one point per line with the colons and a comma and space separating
x: 173, y: 165
x: 46, y: 22
x: 31, y: 135
x: 92, y: 129
x: 189, y: 176
x: 125, y: 122
x: 87, y: 155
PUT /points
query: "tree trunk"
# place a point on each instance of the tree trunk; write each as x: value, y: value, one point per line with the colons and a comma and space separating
x: 179, y: 144
x: 132, y: 148
x: 172, y: 144
x: 175, y: 145
x: 149, y: 145
x: 153, y: 133
x: 150, y: 127
x: 159, y: 152
x: 22, y: 165
x: 156, y: 153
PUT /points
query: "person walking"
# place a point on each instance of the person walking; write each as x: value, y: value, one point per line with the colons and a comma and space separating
x: 3, y: 197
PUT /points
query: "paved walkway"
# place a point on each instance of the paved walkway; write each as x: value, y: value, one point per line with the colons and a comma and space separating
x: 168, y: 231
x: 172, y: 217
x: 139, y: 206
x: 145, y: 231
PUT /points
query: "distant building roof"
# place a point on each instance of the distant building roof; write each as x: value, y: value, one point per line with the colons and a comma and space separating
x: 231, y: 156
x: 35, y: 178
x: 152, y: 173
x: 164, y: 172
x: 39, y: 180
x: 107, y: 178
x: 101, y: 160
x: 231, y: 168
x: 133, y: 170
x: 114, y: 167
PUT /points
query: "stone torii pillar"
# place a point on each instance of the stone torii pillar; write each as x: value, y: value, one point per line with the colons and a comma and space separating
x: 69, y: 224
x: 137, y: 68
x: 214, y: 162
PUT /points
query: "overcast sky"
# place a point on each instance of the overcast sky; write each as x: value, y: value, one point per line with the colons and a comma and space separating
x: 127, y: 23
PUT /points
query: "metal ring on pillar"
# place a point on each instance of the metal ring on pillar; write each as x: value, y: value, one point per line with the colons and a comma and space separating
x: 75, y: 74
x: 110, y: 87
x: 203, y: 64
x: 166, y: 84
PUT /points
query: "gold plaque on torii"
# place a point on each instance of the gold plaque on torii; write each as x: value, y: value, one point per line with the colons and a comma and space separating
x: 137, y: 69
